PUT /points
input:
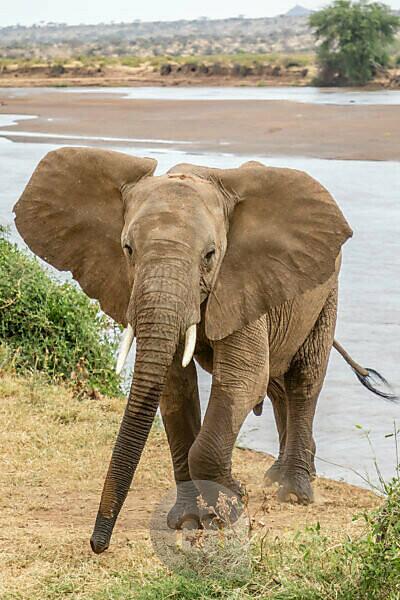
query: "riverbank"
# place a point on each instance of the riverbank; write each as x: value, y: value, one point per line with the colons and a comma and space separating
x: 295, y: 71
x: 54, y: 453
x: 257, y: 127
x: 246, y: 70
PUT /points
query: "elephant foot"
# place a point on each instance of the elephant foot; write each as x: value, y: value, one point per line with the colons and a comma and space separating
x: 273, y: 474
x: 221, y: 518
x: 295, y: 486
x: 185, y: 513
x: 221, y: 504
x: 276, y: 473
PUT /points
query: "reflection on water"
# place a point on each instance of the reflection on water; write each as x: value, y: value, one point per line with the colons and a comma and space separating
x: 309, y: 95
x: 369, y: 318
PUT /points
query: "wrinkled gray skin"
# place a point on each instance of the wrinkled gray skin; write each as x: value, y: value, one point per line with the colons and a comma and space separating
x: 176, y: 246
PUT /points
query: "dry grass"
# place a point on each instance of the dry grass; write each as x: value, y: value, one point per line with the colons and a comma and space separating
x: 54, y: 451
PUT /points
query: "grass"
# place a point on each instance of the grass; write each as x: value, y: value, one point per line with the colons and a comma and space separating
x: 54, y: 452
x: 51, y: 327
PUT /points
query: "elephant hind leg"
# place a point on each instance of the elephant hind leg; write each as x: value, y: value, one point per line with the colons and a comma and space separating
x: 279, y: 399
x: 303, y: 383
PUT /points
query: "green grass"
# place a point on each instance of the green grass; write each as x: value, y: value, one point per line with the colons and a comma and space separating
x: 52, y: 328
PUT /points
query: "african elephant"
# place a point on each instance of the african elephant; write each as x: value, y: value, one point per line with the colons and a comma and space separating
x: 237, y: 268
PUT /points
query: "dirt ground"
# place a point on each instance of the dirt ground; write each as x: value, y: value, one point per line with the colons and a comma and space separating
x: 275, y: 128
x: 54, y: 452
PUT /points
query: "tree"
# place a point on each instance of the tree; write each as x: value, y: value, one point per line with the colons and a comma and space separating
x: 353, y: 40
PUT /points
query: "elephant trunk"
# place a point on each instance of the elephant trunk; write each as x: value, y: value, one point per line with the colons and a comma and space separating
x: 160, y: 317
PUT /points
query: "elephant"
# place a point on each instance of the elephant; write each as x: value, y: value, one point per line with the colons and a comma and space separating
x: 236, y: 269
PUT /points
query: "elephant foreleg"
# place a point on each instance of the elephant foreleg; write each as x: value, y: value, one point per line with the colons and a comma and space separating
x: 303, y: 383
x: 240, y: 378
x: 180, y: 410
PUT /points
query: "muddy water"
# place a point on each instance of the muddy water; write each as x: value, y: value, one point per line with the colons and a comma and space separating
x: 369, y: 316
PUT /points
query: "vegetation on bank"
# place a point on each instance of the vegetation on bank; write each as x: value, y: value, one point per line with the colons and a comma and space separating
x: 52, y: 328
x: 354, y: 40
x: 242, y: 58
x: 260, y: 69
x: 239, y: 65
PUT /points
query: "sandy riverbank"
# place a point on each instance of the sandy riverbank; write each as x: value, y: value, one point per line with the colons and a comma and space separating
x: 260, y: 127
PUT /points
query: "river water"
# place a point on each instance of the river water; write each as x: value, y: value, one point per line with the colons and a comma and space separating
x: 308, y: 95
x: 369, y: 313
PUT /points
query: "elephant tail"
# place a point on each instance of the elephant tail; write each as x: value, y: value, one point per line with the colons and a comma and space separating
x: 368, y: 377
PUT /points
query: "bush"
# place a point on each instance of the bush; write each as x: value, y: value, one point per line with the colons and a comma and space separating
x: 52, y: 327
x: 354, y: 37
x: 380, y: 549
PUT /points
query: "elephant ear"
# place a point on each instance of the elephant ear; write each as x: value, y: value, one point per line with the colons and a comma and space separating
x: 285, y: 234
x: 71, y: 214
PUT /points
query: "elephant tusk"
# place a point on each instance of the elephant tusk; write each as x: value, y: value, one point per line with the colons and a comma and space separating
x: 190, y: 344
x: 127, y: 340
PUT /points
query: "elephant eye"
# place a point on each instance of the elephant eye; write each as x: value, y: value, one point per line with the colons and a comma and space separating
x: 128, y: 249
x: 210, y: 254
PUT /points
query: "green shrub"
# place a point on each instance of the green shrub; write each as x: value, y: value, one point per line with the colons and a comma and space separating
x: 354, y: 38
x: 379, y: 551
x: 52, y: 327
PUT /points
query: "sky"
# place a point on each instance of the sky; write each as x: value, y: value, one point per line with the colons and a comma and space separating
x: 73, y: 12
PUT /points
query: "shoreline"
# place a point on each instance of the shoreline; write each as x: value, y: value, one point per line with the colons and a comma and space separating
x: 242, y: 127
x: 111, y: 82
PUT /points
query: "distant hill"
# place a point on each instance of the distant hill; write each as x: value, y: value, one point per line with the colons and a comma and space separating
x: 299, y: 11
x: 202, y: 36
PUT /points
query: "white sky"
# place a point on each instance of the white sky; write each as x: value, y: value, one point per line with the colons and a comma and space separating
x: 27, y: 12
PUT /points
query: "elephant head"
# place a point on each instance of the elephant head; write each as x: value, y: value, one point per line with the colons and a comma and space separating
x: 153, y: 249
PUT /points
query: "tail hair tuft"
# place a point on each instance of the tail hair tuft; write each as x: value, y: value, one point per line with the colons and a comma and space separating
x: 373, y: 380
